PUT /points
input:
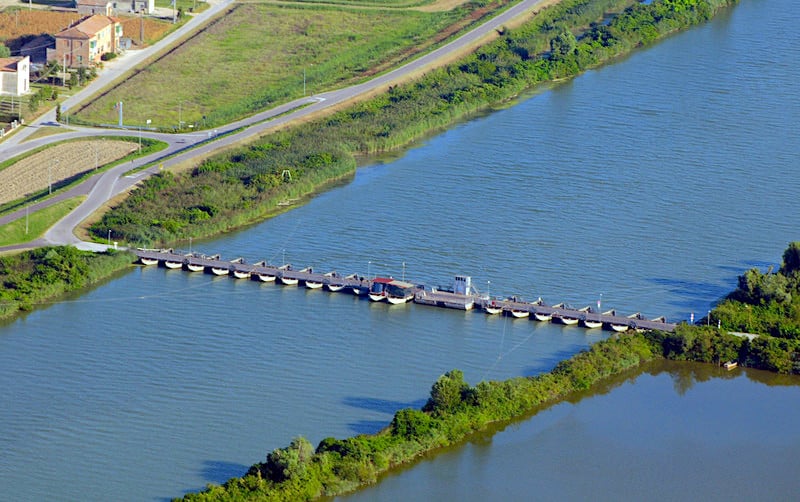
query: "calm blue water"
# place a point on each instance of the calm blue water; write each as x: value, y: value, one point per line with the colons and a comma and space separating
x: 675, y: 431
x: 654, y: 182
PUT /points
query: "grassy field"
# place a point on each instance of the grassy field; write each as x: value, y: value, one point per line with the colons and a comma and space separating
x: 186, y: 5
x: 22, y: 231
x: 257, y: 55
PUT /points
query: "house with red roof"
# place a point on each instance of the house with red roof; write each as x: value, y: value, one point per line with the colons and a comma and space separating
x: 83, y: 43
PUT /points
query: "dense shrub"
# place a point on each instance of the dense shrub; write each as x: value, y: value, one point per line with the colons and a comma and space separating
x: 33, y: 276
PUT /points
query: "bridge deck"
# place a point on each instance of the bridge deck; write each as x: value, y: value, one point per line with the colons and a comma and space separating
x: 422, y: 296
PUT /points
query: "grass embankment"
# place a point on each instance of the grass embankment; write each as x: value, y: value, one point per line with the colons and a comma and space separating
x: 27, y: 229
x: 257, y: 55
x: 39, y: 275
x: 456, y: 410
x: 246, y: 185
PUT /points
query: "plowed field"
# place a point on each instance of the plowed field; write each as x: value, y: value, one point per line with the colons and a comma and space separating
x: 59, y: 162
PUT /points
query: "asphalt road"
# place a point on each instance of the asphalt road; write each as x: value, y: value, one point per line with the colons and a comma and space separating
x: 185, y: 147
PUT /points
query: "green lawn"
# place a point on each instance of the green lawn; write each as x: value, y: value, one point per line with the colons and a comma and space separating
x: 186, y: 5
x: 257, y: 56
x: 37, y: 223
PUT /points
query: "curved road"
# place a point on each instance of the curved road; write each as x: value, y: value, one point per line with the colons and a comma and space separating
x: 188, y: 146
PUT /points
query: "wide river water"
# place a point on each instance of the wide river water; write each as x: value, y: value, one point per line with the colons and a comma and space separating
x: 653, y: 182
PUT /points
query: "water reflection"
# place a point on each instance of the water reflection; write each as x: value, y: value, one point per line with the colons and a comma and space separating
x: 668, y: 431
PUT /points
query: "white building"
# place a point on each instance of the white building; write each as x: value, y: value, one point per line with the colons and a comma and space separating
x: 15, y: 76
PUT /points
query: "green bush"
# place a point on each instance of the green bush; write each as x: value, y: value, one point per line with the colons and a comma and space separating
x: 40, y: 274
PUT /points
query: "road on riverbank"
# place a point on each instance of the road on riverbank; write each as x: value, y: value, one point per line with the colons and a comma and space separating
x: 184, y: 148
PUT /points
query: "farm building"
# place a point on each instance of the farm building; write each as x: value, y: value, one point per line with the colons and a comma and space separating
x: 15, y: 75
x: 84, y: 42
x: 90, y: 7
x: 109, y: 7
x: 148, y: 6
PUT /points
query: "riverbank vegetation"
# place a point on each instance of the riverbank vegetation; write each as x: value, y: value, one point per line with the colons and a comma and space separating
x: 39, y: 275
x: 246, y: 184
x: 455, y: 409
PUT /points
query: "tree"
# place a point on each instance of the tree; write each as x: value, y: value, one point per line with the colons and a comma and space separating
x: 447, y: 393
x: 289, y: 462
x: 757, y: 288
x: 563, y: 44
x: 411, y: 424
x: 4, y: 51
x: 791, y: 261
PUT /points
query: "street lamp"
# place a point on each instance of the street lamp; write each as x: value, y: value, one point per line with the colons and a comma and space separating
x: 140, y: 134
x: 708, y: 319
x: 109, y: 237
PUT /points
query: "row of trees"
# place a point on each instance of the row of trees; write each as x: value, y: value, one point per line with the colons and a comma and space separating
x: 455, y: 410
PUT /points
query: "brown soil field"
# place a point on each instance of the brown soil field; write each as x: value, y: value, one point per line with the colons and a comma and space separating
x: 58, y: 162
x: 36, y: 22
x: 154, y: 30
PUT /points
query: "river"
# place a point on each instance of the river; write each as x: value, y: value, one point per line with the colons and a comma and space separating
x: 653, y: 182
